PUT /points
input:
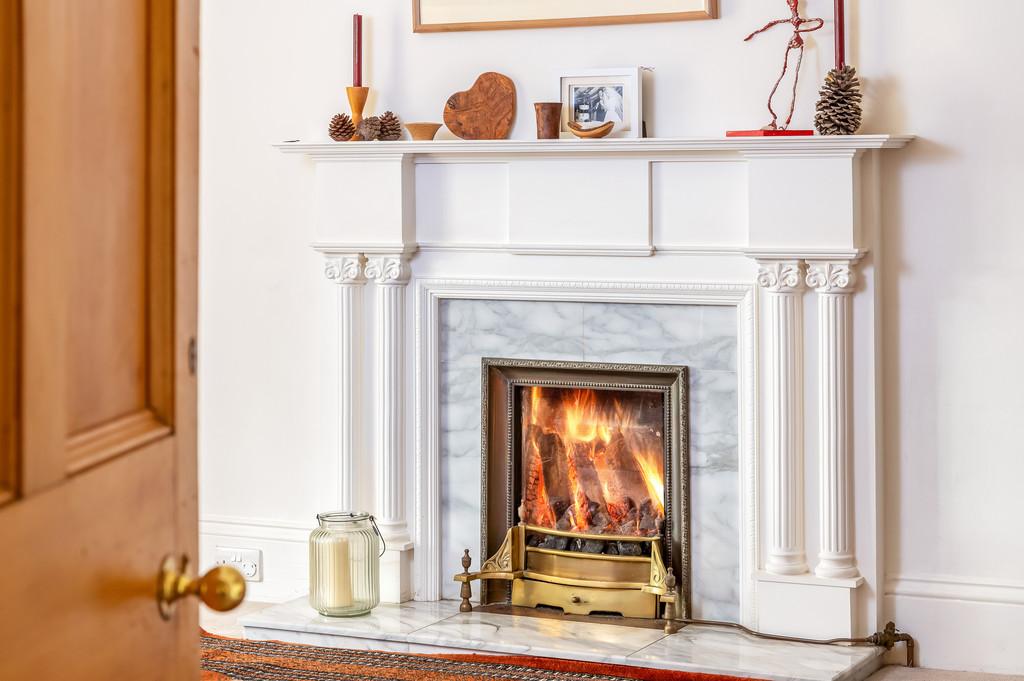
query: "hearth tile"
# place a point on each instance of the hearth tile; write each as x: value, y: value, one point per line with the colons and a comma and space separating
x: 518, y: 635
x: 386, y: 622
x: 325, y: 640
x: 715, y: 650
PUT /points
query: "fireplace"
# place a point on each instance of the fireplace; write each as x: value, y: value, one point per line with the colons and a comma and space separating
x: 584, y: 500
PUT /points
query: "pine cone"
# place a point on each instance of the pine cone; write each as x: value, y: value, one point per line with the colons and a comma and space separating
x: 838, y: 110
x: 341, y: 128
x: 390, y: 127
x: 368, y: 129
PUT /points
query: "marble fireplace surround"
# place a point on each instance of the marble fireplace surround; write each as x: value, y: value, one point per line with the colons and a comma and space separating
x: 770, y: 230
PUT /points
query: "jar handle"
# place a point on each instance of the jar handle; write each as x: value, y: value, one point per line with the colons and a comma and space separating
x: 373, y: 521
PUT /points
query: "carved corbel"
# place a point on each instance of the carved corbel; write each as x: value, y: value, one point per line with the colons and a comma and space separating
x: 345, y: 269
x: 780, y: 276
x: 831, y: 276
x: 388, y: 269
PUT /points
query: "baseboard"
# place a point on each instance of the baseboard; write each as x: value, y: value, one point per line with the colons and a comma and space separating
x: 945, y: 587
x: 962, y: 624
x: 285, y: 553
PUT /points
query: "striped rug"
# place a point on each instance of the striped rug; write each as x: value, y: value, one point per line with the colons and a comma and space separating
x: 239, y: 660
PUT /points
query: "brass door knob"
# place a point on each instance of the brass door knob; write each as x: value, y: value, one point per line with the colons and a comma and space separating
x: 222, y: 588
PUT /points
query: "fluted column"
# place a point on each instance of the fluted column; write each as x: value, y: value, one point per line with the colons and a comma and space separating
x: 833, y: 282
x: 783, y: 285
x: 347, y: 272
x: 390, y: 274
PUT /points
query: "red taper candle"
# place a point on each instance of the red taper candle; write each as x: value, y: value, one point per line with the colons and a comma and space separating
x: 357, y: 50
x: 840, y: 35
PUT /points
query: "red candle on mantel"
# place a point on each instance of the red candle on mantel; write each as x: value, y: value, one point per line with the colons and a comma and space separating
x: 357, y: 50
x: 840, y: 35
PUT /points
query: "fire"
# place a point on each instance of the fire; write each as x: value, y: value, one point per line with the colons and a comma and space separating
x: 654, y: 480
x: 594, y: 460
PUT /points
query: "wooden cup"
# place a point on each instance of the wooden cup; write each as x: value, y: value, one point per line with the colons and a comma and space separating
x: 549, y: 119
x: 357, y: 102
x: 422, y: 132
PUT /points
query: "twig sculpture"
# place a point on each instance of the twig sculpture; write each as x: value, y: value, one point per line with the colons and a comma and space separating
x: 796, y: 42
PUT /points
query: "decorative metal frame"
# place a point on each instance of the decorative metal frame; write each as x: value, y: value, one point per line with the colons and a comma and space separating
x: 670, y: 380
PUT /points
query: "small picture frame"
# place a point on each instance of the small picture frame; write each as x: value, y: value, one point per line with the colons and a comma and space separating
x: 592, y: 97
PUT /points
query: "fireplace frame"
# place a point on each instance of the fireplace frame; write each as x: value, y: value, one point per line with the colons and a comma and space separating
x: 500, y: 472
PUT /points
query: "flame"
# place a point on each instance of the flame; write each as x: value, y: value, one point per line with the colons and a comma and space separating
x: 605, y: 454
x: 653, y: 479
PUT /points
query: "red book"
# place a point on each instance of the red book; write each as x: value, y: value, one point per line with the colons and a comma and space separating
x: 769, y: 133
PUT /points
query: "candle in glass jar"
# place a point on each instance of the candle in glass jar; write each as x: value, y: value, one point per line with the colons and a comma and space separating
x: 357, y: 50
x: 331, y: 560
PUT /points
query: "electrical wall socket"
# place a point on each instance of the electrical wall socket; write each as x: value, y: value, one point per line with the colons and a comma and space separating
x: 247, y: 561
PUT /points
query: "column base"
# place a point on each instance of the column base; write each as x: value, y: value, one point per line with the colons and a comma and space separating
x: 836, y: 566
x: 787, y: 564
x: 396, y: 574
x: 807, y: 606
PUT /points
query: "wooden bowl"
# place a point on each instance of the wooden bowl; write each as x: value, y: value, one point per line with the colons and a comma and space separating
x: 423, y: 132
x: 590, y: 133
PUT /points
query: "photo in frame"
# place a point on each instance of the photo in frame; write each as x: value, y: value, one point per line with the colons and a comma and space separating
x: 593, y: 97
x: 481, y: 15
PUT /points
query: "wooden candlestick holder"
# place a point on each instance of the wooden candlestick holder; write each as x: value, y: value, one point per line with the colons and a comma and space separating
x: 356, y: 102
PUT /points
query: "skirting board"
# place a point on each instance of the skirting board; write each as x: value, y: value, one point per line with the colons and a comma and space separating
x: 963, y: 635
x: 285, y: 553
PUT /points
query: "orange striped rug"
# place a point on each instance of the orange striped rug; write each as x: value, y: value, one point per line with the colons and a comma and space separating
x: 240, y: 660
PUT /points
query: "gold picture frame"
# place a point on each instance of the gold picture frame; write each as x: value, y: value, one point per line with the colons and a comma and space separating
x: 436, y: 16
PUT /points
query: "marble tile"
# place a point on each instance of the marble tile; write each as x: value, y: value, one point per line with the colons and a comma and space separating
x: 718, y: 333
x: 386, y: 622
x: 714, y: 420
x: 325, y: 640
x: 537, y: 636
x: 651, y: 334
x: 721, y: 651
x: 438, y: 627
x: 471, y: 329
x: 699, y: 336
x: 715, y: 554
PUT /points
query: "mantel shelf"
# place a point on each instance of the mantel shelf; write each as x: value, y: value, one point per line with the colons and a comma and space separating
x: 809, y: 146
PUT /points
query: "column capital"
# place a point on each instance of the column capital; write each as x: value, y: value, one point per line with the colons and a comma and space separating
x: 345, y: 269
x: 780, y: 276
x: 388, y: 269
x: 831, y: 276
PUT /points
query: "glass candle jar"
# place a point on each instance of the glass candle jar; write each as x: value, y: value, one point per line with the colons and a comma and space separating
x: 344, y: 564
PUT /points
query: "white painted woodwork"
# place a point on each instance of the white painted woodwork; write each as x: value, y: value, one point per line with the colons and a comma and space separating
x: 347, y: 272
x: 782, y: 282
x: 390, y: 275
x: 833, y: 283
x: 689, y: 221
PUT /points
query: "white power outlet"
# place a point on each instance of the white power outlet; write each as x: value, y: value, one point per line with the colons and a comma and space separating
x: 247, y: 561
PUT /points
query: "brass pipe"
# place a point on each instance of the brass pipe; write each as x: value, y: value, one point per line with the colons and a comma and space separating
x: 887, y: 638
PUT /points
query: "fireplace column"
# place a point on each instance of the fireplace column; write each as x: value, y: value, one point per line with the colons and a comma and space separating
x: 347, y: 272
x: 391, y: 274
x: 833, y: 282
x: 782, y: 282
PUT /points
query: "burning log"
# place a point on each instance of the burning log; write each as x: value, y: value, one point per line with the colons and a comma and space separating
x: 621, y: 479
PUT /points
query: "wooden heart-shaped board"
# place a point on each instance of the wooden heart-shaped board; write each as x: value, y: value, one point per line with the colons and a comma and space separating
x: 485, y: 111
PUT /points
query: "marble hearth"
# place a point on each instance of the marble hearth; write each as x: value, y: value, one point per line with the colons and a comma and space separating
x: 705, y: 252
x: 438, y: 627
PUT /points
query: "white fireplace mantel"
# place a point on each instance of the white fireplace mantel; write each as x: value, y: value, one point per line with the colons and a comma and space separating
x: 779, y: 228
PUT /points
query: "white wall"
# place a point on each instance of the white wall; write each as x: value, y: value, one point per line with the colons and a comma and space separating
x: 275, y: 70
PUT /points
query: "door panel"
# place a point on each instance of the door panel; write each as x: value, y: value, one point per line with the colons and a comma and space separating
x: 97, y: 313
x: 10, y: 275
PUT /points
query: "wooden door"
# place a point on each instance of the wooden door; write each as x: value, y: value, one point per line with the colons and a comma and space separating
x: 98, y: 191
